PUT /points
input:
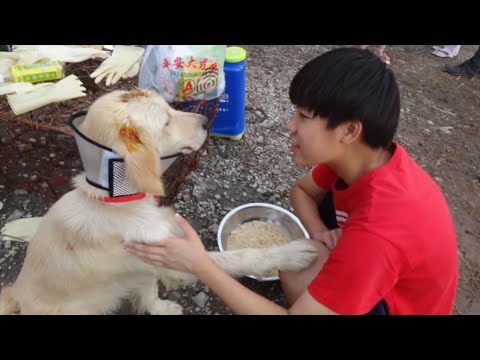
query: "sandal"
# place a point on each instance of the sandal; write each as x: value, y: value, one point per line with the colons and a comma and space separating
x: 441, y: 53
x: 446, y: 51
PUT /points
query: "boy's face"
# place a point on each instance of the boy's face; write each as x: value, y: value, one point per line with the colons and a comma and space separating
x: 311, y: 142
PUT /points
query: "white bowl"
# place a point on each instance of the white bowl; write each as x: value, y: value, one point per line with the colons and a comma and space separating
x: 269, y: 213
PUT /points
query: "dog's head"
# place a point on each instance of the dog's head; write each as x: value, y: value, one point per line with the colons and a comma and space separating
x: 141, y: 127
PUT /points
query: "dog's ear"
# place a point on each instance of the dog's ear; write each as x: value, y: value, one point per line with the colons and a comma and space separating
x: 142, y: 163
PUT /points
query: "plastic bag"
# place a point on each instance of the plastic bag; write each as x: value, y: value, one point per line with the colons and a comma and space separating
x: 184, y: 72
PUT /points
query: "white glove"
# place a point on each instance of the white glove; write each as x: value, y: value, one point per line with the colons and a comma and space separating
x: 120, y: 64
x: 133, y: 71
x: 23, y: 57
x: 21, y: 229
x: 20, y: 87
x: 68, y: 88
x: 64, y: 53
x: 98, y: 47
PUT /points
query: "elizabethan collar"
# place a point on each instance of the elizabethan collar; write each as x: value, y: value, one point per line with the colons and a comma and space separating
x: 104, y: 168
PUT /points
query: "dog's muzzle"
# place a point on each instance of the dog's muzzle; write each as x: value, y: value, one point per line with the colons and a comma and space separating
x: 104, y: 168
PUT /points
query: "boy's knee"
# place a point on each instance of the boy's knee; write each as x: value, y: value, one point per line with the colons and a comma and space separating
x: 294, y: 283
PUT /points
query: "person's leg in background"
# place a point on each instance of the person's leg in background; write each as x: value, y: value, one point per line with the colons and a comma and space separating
x: 380, y: 52
x: 469, y: 68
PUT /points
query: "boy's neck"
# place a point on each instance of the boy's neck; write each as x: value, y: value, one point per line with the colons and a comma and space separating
x: 358, y: 160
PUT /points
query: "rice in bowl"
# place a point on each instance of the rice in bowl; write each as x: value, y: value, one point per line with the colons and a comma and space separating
x: 259, y: 225
x: 256, y: 234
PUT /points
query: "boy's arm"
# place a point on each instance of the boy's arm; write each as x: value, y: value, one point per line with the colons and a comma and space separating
x: 305, y: 197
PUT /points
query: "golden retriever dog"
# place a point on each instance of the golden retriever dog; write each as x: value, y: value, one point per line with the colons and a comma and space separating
x: 76, y: 263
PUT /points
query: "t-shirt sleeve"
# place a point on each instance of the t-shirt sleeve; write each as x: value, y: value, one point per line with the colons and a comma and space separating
x: 360, y: 271
x: 323, y: 176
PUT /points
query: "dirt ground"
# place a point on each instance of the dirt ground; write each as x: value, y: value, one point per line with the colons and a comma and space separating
x: 440, y: 128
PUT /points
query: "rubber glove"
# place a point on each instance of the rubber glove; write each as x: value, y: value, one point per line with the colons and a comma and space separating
x: 21, y: 229
x: 23, y: 57
x: 98, y: 47
x: 64, y: 53
x: 68, y: 88
x: 20, y: 87
x: 118, y: 65
x: 133, y: 71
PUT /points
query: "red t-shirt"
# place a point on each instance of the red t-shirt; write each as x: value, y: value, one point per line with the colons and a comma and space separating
x: 397, y: 244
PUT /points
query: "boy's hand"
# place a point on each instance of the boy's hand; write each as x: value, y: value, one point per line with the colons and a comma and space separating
x: 185, y: 253
x: 329, y: 237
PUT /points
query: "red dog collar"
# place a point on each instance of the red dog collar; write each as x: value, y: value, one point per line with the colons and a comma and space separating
x: 121, y: 199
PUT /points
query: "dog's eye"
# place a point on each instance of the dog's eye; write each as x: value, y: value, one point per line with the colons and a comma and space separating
x: 168, y: 122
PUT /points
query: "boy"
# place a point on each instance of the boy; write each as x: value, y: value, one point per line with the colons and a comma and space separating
x: 395, y: 250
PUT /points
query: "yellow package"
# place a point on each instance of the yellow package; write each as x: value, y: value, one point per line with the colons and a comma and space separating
x: 37, y: 72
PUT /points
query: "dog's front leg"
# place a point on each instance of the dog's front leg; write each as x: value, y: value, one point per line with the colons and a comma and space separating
x: 293, y: 256
x: 146, y: 300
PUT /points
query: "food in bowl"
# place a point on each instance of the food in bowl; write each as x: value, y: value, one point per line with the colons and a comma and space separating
x: 256, y: 234
x: 257, y: 225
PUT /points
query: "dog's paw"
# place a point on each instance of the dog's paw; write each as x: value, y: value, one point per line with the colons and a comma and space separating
x: 165, y: 307
x: 294, y: 256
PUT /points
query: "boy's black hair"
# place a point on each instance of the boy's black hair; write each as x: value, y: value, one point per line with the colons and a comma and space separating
x: 346, y: 84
